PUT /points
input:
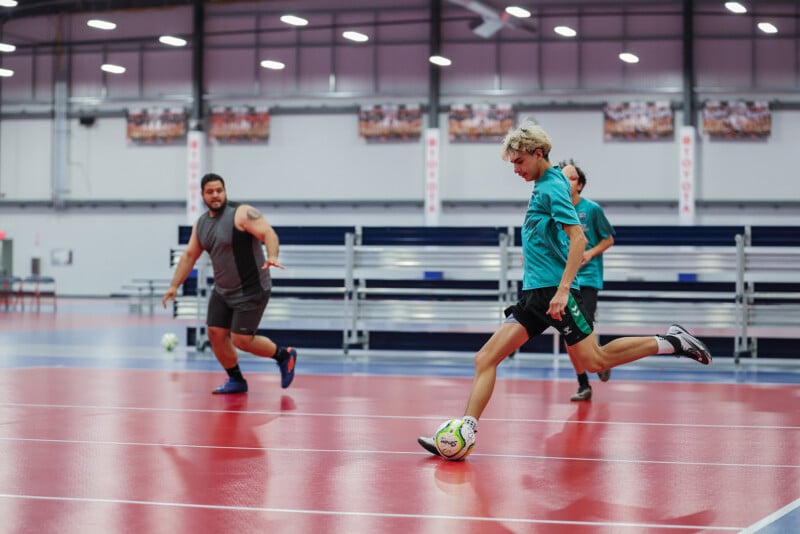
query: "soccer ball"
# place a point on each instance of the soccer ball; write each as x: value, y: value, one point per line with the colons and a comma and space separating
x: 454, y: 439
x: 169, y: 341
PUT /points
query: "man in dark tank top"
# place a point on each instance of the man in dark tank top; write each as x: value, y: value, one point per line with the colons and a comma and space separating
x: 233, y: 235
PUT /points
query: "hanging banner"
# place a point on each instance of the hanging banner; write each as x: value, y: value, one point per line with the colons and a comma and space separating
x: 239, y: 125
x: 686, y: 183
x: 433, y: 201
x: 737, y: 120
x: 637, y: 121
x: 195, y: 165
x: 480, y: 123
x: 389, y: 122
x: 156, y: 126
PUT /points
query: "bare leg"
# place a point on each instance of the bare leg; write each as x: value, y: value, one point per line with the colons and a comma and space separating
x: 594, y: 358
x: 256, y: 345
x: 508, y: 338
x: 222, y: 346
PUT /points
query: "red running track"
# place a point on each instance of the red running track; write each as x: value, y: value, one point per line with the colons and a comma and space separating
x: 141, y: 451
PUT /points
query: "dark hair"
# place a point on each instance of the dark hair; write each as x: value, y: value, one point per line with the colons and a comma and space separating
x: 581, y: 174
x: 210, y: 177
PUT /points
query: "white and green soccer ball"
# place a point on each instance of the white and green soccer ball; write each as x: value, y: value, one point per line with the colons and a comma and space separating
x: 169, y: 341
x: 454, y: 439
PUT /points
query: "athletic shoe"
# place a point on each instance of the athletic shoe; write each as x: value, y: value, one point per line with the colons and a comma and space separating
x: 583, y: 394
x: 429, y: 445
x: 231, y: 386
x: 287, y: 367
x: 687, y: 345
x: 604, y: 375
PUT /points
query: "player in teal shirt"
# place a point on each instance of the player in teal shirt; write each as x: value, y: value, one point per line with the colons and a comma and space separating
x: 553, y: 248
x: 600, y: 236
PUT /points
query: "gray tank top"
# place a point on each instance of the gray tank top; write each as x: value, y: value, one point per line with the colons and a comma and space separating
x: 236, y: 256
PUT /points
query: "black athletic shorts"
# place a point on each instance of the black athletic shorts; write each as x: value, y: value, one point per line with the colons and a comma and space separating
x: 240, y: 318
x: 589, y: 302
x: 531, y: 312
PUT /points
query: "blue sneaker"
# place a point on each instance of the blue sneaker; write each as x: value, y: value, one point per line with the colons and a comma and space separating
x: 231, y: 386
x: 287, y: 368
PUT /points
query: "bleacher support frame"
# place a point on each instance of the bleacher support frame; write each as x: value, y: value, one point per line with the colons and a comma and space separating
x: 413, y: 280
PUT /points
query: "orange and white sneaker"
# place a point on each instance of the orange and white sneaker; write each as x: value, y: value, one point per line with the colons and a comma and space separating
x: 687, y: 345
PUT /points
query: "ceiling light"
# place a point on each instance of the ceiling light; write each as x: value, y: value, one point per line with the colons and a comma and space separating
x: 565, y: 31
x: 6, y: 73
x: 519, y: 12
x: 8, y: 3
x: 101, y: 24
x: 355, y: 36
x: 294, y: 21
x: 440, y: 60
x: 735, y: 7
x: 627, y: 57
x: 113, y: 69
x: 767, y: 27
x: 5, y: 47
x: 172, y: 41
x: 271, y: 64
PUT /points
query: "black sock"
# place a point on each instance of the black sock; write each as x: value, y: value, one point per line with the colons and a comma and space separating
x: 583, y: 380
x: 235, y: 373
x: 280, y: 354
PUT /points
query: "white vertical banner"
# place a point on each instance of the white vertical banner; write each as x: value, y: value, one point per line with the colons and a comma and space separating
x: 195, y: 163
x: 686, y: 184
x: 433, y: 200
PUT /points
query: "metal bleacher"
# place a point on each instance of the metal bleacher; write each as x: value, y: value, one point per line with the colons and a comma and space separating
x: 422, y: 287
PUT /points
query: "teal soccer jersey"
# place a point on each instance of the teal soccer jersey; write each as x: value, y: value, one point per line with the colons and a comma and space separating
x: 596, y: 227
x: 544, y: 243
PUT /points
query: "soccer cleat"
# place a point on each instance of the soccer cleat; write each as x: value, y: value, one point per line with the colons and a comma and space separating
x: 231, y: 386
x: 687, y: 345
x: 287, y: 367
x: 604, y: 375
x: 583, y: 394
x: 429, y: 445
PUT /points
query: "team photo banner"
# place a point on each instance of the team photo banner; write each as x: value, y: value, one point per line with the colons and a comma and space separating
x: 737, y: 120
x: 156, y: 126
x: 480, y: 123
x: 638, y: 121
x: 239, y: 125
x: 390, y: 122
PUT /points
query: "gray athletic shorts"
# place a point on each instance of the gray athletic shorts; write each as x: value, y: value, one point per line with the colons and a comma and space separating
x: 240, y: 318
x: 531, y: 312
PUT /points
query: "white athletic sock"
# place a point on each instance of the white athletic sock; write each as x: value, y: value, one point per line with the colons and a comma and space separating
x: 472, y: 421
x: 664, y: 346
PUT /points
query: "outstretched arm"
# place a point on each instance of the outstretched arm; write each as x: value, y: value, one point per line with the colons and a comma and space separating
x: 185, y: 266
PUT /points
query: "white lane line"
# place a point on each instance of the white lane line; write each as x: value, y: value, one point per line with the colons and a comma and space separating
x: 368, y: 514
x: 293, y: 413
x: 414, y: 452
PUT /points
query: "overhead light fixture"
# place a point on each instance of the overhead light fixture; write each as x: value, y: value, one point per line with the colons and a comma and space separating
x: 5, y: 47
x: 519, y: 12
x: 355, y: 36
x: 113, y: 69
x: 293, y: 20
x: 565, y: 31
x: 6, y: 73
x: 8, y: 3
x: 627, y: 57
x: 101, y: 24
x: 735, y: 7
x: 440, y: 60
x: 172, y: 41
x: 767, y: 27
x: 272, y: 64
